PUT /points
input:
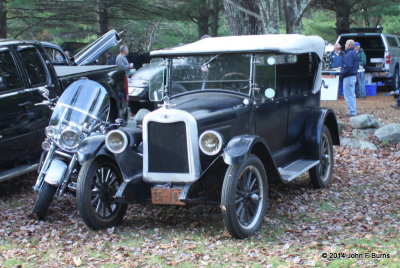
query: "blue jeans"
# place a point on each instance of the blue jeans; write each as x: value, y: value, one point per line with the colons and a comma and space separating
x: 360, y: 86
x: 349, y: 84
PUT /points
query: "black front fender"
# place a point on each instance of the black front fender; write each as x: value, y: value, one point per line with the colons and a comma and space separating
x: 90, y: 147
x: 240, y: 147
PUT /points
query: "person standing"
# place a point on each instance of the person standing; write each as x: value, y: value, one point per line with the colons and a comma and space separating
x: 336, y: 56
x: 349, y: 73
x: 122, y: 61
x: 110, y: 60
x: 362, y: 61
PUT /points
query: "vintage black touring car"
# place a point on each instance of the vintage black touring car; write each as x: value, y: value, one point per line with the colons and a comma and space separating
x: 250, y: 113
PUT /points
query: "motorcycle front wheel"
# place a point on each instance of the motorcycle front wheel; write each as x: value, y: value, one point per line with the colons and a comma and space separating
x: 46, y: 195
x: 98, y: 182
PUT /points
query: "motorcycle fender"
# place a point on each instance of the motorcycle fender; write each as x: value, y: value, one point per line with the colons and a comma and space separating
x: 56, y: 172
x: 89, y: 148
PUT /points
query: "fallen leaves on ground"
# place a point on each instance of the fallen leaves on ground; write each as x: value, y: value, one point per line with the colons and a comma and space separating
x: 358, y: 213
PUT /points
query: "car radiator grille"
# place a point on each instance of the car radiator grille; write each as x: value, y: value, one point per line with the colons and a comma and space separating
x: 167, y: 148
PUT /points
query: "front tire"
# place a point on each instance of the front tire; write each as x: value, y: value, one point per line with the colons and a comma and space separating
x: 98, y: 182
x: 321, y: 174
x: 244, y: 198
x: 42, y: 204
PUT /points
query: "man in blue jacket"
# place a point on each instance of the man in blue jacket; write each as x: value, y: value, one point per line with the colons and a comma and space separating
x: 349, y: 73
x: 336, y: 56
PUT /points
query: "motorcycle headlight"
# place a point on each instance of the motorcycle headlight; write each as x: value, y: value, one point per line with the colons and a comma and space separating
x: 210, y: 142
x: 50, y: 131
x: 70, y: 138
x: 116, y: 141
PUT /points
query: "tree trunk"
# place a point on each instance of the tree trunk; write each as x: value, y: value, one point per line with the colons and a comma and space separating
x: 269, y: 11
x: 294, y: 11
x: 243, y: 17
x: 234, y: 18
x: 202, y: 22
x: 216, y: 7
x: 102, y: 17
x: 3, y: 19
x: 254, y: 24
x: 342, y: 14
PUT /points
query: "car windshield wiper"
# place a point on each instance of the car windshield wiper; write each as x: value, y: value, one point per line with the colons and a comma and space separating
x: 204, y: 69
x: 210, y: 60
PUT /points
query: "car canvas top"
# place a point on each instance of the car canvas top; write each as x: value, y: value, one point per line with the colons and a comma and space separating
x: 278, y: 43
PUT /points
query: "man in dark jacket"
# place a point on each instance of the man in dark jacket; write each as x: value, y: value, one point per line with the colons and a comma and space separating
x: 349, y: 73
x: 362, y: 61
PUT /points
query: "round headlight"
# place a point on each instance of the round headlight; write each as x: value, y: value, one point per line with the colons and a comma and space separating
x: 116, y: 141
x: 50, y: 131
x: 210, y: 142
x: 69, y: 138
x: 46, y: 145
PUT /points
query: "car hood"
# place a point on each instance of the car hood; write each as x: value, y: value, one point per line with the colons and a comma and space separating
x: 205, y: 105
x: 92, y: 51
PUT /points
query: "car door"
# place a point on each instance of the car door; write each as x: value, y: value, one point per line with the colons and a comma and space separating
x: 17, y: 115
x: 301, y: 100
x: 270, y: 113
x: 38, y: 76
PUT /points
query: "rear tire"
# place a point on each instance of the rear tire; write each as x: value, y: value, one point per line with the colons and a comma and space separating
x: 244, y: 199
x: 321, y: 174
x: 43, y: 201
x: 98, y: 182
x: 396, y: 79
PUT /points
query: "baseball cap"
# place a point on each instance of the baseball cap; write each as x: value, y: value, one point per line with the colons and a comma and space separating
x: 356, y: 44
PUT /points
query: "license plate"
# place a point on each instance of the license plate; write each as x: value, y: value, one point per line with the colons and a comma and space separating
x: 166, y: 196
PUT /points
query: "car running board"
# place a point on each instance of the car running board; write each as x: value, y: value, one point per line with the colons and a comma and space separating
x: 18, y: 171
x: 296, y: 168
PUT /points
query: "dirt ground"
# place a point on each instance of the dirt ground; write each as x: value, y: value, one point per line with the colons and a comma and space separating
x: 353, y: 223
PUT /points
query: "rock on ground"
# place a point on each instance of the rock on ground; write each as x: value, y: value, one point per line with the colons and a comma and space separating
x: 389, y: 133
x: 365, y: 121
x: 341, y: 126
x: 363, y: 133
x: 355, y: 143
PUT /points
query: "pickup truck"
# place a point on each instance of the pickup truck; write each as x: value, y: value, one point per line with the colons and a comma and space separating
x: 27, y: 77
x: 383, y: 55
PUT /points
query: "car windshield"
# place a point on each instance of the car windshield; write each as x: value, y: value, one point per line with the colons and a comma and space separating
x: 230, y: 72
x: 84, y: 104
x: 227, y: 72
x: 238, y: 73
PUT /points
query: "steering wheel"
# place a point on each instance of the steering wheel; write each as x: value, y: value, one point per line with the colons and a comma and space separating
x: 235, y: 85
x: 178, y: 88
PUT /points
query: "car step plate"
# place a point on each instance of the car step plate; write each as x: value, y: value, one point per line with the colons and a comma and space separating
x: 166, y: 196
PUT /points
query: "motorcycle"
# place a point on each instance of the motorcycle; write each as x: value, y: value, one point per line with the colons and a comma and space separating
x: 81, y: 111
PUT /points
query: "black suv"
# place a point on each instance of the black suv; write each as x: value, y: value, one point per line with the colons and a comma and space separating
x: 249, y: 113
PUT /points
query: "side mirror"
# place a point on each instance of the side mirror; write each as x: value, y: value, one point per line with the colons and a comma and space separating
x: 44, y: 92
